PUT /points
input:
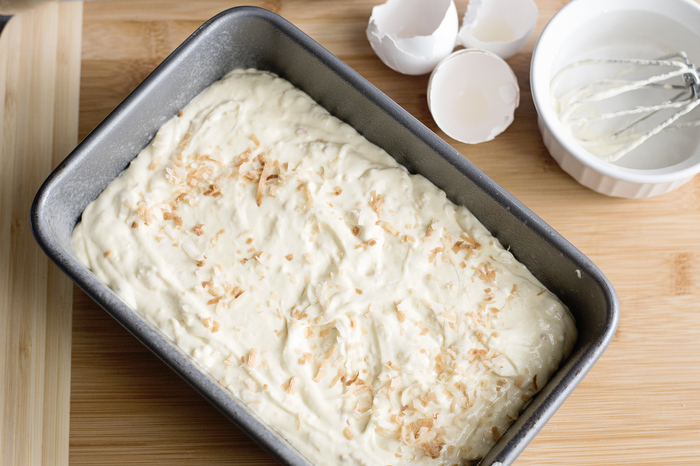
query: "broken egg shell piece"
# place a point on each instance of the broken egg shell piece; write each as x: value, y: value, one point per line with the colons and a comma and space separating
x: 499, y: 26
x: 412, y: 36
x: 472, y: 95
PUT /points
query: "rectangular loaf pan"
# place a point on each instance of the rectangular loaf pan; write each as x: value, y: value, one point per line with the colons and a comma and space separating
x: 248, y: 37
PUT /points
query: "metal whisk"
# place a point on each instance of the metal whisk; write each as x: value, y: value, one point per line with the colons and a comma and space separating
x: 615, y: 113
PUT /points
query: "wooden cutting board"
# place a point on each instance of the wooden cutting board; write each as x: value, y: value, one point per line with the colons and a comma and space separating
x: 39, y: 92
x: 638, y: 406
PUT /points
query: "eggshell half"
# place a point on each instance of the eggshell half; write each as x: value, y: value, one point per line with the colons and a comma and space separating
x: 472, y: 95
x: 499, y: 26
x: 412, y: 36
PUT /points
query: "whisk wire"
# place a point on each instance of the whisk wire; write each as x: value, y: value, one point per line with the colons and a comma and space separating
x: 613, y: 144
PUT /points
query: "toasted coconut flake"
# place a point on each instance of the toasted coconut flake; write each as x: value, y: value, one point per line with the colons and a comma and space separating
x: 252, y: 358
x: 185, y: 140
x: 348, y: 433
x: 495, y: 434
x: 341, y: 373
x: 243, y: 160
x: 213, y: 158
x: 156, y: 162
x: 352, y: 381
x: 107, y: 253
x: 291, y: 386
x: 399, y: 313
x: 472, y: 242
x: 425, y: 422
x: 376, y: 201
x: 355, y: 230
x: 179, y: 198
x: 485, y: 272
x: 433, y: 449
x: 261, y: 256
x: 236, y: 292
x: 267, y: 169
x: 324, y: 365
x: 440, y: 363
x: 361, y: 391
x: 214, y: 190
x: 388, y: 227
x: 251, y: 385
x: 364, y: 244
x: 519, y: 380
x: 198, y: 229
x: 306, y: 358
x: 171, y: 216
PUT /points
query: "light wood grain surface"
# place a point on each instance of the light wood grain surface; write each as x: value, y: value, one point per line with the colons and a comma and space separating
x: 638, y: 406
x: 39, y: 90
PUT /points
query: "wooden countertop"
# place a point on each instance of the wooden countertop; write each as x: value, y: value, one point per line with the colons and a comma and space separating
x: 639, y: 405
x: 39, y: 90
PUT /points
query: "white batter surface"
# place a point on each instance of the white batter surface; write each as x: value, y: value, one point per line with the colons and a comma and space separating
x: 366, y: 317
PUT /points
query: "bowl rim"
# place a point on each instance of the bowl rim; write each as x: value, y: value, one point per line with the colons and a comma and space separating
x: 579, y: 11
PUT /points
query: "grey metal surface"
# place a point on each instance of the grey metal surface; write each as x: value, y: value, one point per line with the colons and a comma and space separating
x: 4, y: 19
x: 248, y: 37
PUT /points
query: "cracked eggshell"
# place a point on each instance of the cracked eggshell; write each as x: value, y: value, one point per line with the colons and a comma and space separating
x: 472, y: 95
x: 412, y: 36
x: 499, y: 26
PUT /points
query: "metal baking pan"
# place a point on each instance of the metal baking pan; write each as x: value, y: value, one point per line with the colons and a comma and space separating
x: 248, y: 37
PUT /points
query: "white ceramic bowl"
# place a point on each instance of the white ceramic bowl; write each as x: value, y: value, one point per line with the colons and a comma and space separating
x: 618, y: 28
